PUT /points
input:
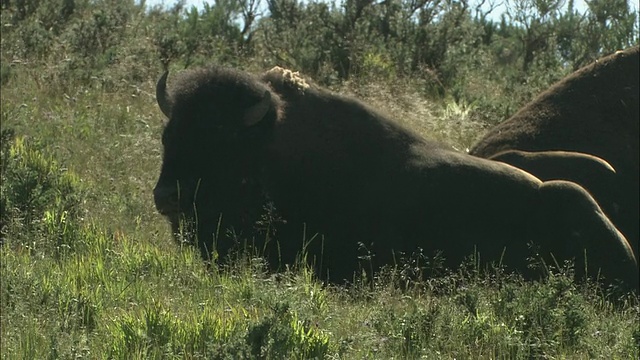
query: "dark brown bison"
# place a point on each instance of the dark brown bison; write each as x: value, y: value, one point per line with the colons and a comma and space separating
x: 335, y: 167
x: 588, y: 171
x: 595, y: 111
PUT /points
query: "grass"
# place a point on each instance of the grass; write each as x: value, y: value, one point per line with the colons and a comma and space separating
x: 446, y: 120
x: 90, y: 270
x: 93, y: 272
x: 120, y: 297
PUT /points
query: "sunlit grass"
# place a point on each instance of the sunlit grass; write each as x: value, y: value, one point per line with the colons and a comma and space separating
x: 93, y: 272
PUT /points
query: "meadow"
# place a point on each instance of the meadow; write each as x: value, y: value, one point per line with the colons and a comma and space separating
x: 89, y: 269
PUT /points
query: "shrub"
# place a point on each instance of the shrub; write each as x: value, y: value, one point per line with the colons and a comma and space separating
x: 38, y: 197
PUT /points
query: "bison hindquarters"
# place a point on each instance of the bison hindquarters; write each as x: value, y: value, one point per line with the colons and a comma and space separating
x: 598, y: 248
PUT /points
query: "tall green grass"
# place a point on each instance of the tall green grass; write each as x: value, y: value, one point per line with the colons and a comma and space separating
x: 88, y: 269
x: 75, y: 285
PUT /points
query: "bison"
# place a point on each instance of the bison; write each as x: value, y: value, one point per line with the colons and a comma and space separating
x: 333, y: 166
x: 588, y: 171
x: 593, y: 111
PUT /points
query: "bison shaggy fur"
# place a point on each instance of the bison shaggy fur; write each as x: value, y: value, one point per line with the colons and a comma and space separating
x: 368, y: 187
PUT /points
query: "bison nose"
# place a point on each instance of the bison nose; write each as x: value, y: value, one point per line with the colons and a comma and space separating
x: 166, y: 200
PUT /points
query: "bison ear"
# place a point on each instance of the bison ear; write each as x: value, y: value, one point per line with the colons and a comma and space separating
x: 161, y: 95
x: 254, y: 114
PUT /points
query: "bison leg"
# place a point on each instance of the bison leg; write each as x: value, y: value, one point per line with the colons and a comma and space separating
x: 575, y: 226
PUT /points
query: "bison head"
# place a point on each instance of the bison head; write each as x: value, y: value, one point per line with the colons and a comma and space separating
x: 219, y: 122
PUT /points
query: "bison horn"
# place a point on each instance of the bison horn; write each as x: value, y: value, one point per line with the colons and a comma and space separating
x: 161, y: 95
x: 255, y: 113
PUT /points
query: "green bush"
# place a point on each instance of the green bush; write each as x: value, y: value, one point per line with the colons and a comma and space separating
x: 89, y: 269
x: 41, y: 202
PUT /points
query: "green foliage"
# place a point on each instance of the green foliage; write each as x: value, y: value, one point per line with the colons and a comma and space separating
x: 89, y: 270
x: 282, y: 334
x: 38, y: 196
x: 195, y: 37
x: 445, y: 44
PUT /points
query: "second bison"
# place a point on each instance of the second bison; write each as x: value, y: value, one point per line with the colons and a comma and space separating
x: 594, y: 111
x: 335, y: 167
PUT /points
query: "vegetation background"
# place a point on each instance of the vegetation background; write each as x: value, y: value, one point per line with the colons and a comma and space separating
x: 89, y: 270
